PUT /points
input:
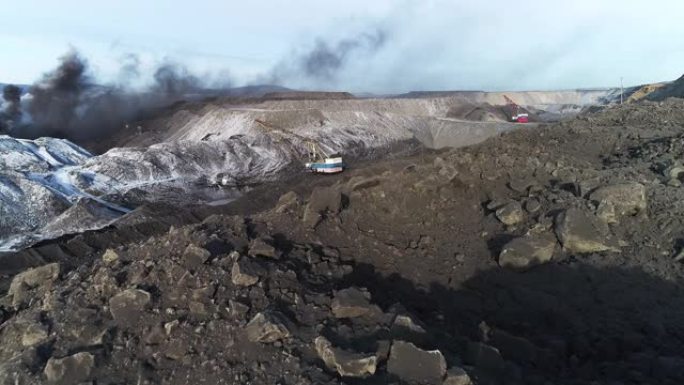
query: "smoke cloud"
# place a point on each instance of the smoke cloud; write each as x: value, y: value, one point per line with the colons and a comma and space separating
x: 11, y: 113
x: 130, y: 70
x: 172, y: 79
x: 322, y: 65
x: 324, y: 61
x: 67, y: 103
x: 56, y: 97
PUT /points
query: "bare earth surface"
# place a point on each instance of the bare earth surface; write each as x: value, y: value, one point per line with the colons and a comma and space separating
x: 547, y: 255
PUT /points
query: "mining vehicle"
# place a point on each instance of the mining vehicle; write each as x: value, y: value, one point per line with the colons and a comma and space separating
x: 514, y: 111
x: 323, y: 163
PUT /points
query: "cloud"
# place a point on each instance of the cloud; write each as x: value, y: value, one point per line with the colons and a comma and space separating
x: 427, y: 44
x: 320, y: 66
x: 533, y: 44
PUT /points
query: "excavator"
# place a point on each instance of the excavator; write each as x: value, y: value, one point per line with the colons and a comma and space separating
x: 514, y: 111
x: 319, y: 162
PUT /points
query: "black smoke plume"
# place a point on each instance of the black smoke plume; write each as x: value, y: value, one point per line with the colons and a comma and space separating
x: 56, y: 97
x: 130, y: 69
x: 172, y: 79
x: 326, y: 60
x: 67, y: 103
x: 10, y: 116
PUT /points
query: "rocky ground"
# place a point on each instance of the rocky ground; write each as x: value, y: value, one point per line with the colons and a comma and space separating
x: 548, y: 255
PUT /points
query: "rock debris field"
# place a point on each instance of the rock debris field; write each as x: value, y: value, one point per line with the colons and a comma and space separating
x: 547, y: 255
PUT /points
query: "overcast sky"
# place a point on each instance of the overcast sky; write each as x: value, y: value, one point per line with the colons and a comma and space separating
x: 429, y: 44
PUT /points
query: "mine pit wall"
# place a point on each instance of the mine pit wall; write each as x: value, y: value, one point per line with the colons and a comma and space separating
x: 271, y: 143
x: 341, y: 129
x: 383, y: 120
x: 526, y: 98
x: 437, y: 105
x: 220, y: 120
x: 360, y: 146
x: 460, y: 134
x: 182, y: 121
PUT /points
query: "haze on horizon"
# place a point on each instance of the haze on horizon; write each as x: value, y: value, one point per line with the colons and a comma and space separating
x: 383, y: 46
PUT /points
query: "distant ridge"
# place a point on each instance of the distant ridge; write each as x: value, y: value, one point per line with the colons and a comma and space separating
x: 252, y: 91
x: 673, y: 89
x: 308, y: 95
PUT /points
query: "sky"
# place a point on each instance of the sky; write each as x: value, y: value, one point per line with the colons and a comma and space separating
x: 426, y: 45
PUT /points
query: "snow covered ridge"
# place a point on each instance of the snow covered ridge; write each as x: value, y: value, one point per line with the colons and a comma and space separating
x: 51, y: 187
x: 41, y: 181
x: 39, y: 155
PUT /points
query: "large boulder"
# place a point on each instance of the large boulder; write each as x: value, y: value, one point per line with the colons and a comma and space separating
x: 510, y: 214
x: 194, y: 256
x: 345, y: 363
x: 267, y: 327
x: 582, y: 232
x: 34, y: 334
x: 351, y: 303
x: 675, y: 173
x: 110, y: 257
x: 532, y: 205
x: 36, y: 280
x: 260, y: 248
x: 245, y: 272
x: 73, y: 369
x: 128, y: 306
x: 323, y: 200
x: 405, y: 324
x: 414, y: 365
x: 626, y: 198
x: 287, y: 202
x: 525, y: 252
x: 457, y: 376
x: 607, y: 212
x: 407, y: 328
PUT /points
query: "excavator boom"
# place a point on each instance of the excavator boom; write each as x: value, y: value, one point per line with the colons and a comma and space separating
x: 514, y: 111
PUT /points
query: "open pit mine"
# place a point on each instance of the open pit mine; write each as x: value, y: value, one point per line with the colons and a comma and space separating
x: 54, y: 187
x: 463, y: 238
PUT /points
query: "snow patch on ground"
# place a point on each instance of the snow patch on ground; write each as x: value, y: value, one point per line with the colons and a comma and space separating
x: 39, y: 181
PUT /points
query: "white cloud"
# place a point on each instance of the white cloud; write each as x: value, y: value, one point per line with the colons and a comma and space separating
x: 432, y: 44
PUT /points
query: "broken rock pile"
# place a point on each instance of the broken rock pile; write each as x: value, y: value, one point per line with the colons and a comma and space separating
x: 221, y: 310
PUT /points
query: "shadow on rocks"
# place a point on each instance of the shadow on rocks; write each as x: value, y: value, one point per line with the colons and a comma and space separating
x: 560, y: 324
